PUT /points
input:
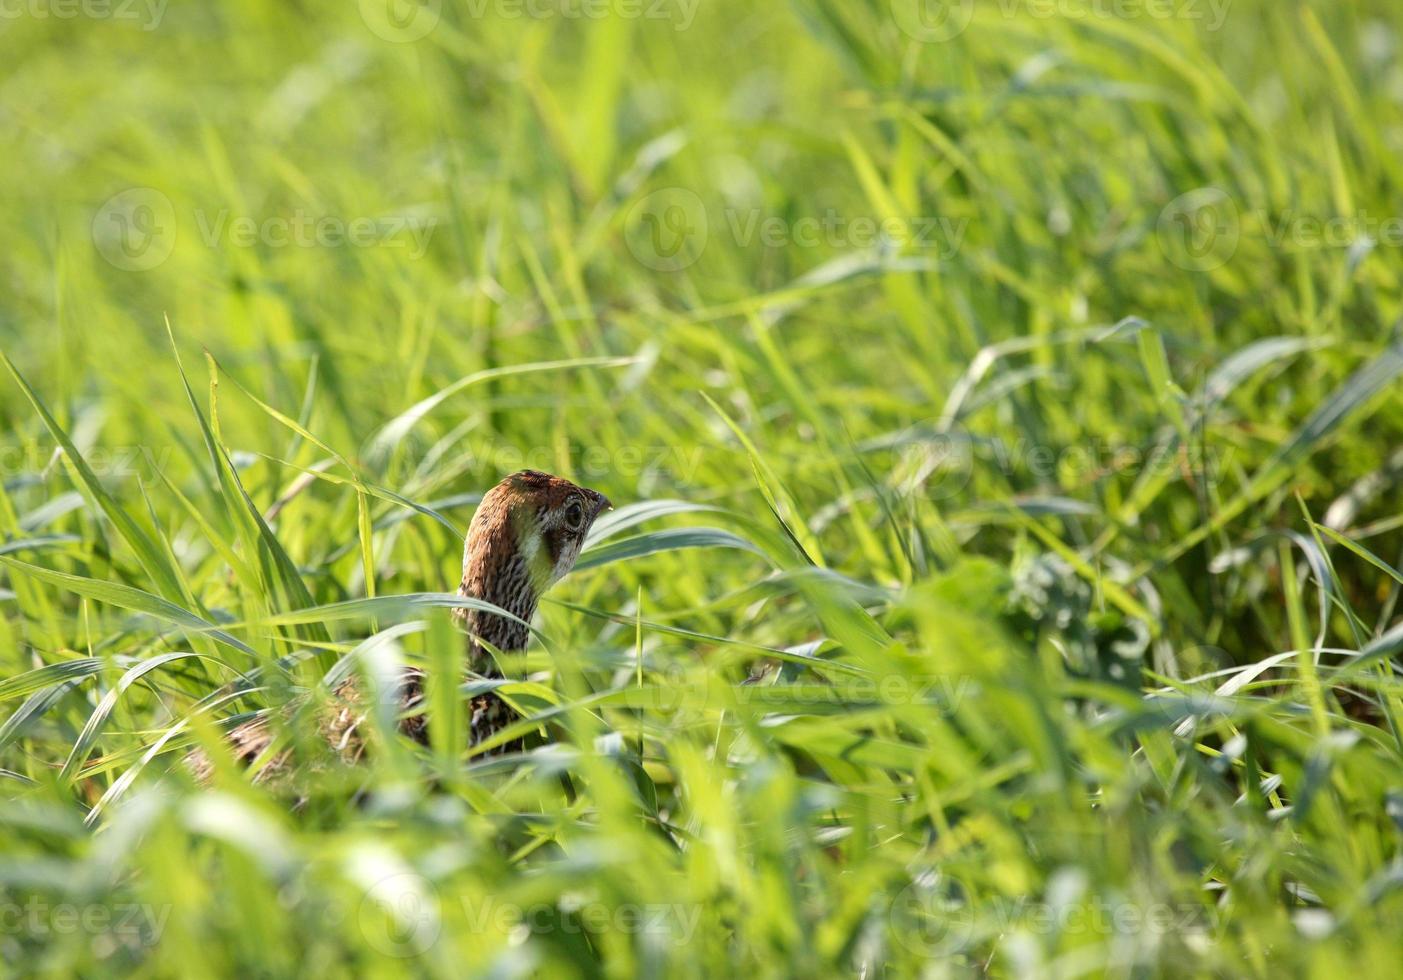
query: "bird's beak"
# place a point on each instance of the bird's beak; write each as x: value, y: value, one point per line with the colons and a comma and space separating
x: 601, y: 503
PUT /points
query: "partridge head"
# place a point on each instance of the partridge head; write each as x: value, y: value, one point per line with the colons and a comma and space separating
x: 526, y: 535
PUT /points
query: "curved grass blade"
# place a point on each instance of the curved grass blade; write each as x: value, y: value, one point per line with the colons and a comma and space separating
x: 1361, y: 551
x: 776, y: 653
x: 398, y: 427
x: 34, y: 707
x: 776, y: 496
x: 83, y: 745
x: 342, y: 668
x: 672, y: 539
x: 42, y: 677
x: 127, y: 597
x: 123, y: 782
x: 1241, y: 365
x: 1382, y: 648
x: 369, y: 489
x: 1358, y: 389
x: 387, y: 606
x: 38, y: 544
x: 153, y: 560
x: 631, y: 515
x: 52, y: 510
x: 259, y: 539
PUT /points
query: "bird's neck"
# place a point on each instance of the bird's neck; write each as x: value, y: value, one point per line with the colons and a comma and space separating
x: 508, y: 585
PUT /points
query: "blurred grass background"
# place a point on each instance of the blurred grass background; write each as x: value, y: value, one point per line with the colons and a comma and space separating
x: 1001, y: 401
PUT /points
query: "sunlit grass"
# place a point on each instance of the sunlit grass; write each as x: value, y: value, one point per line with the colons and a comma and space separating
x: 1002, y: 417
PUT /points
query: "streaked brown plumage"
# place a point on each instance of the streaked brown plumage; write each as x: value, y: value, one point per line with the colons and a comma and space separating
x: 524, y: 537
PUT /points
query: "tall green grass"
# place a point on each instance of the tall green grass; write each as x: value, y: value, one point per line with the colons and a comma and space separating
x: 1002, y: 413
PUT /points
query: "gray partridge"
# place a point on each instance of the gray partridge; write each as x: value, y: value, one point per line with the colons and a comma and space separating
x: 525, y: 536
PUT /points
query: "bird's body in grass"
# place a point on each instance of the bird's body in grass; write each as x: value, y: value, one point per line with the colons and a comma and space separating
x: 525, y: 536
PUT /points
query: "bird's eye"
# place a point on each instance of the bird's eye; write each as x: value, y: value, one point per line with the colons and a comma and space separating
x: 574, y: 515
